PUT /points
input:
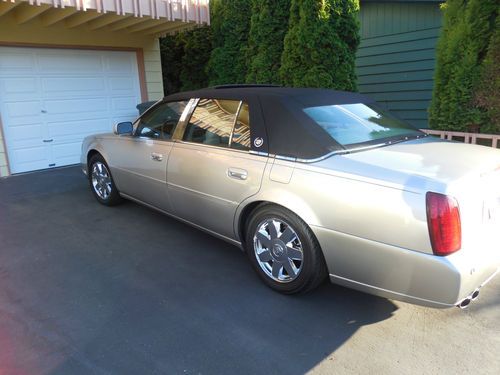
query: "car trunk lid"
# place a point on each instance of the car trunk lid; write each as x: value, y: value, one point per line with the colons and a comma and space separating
x: 469, y: 173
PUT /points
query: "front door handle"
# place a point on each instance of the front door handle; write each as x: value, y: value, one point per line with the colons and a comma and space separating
x: 238, y: 174
x: 156, y: 157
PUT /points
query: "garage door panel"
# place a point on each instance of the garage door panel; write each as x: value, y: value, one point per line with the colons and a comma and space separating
x: 26, y: 154
x: 19, y: 86
x: 57, y: 87
x: 50, y: 99
x: 26, y: 134
x: 16, y: 63
x: 75, y: 106
x: 23, y: 112
x: 126, y: 104
x: 67, y: 153
x: 117, y: 84
x: 23, y: 108
x: 77, y: 129
x: 29, y: 158
x: 121, y: 63
x: 69, y: 62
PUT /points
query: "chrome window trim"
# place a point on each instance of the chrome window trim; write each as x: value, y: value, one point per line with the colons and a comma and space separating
x: 352, y: 150
x: 245, y: 152
x: 287, y: 158
x: 184, y: 119
x: 143, y: 139
x: 259, y: 153
x: 136, y: 138
x: 234, y: 123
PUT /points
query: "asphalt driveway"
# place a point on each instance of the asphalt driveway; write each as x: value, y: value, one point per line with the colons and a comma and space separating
x: 88, y: 289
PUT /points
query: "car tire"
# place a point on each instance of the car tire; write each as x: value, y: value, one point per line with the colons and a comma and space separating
x: 101, y: 182
x: 287, y: 258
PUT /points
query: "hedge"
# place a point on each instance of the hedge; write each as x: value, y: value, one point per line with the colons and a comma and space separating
x: 320, y: 45
x: 268, y: 26
x: 462, y: 67
x: 230, y: 25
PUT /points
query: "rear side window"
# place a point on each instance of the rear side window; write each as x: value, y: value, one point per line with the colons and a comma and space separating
x: 213, y: 123
x: 352, y: 124
x: 161, y: 121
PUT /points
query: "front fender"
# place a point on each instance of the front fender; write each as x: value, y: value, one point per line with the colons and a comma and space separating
x: 92, y: 143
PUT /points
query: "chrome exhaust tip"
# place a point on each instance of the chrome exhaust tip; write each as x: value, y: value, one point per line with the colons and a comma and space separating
x: 475, y: 295
x: 465, y: 303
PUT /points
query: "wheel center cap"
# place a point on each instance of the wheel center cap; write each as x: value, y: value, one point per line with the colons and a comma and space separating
x: 278, y: 250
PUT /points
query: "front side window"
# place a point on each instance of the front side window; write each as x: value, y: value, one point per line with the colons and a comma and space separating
x: 351, y: 124
x: 212, y: 122
x: 161, y: 121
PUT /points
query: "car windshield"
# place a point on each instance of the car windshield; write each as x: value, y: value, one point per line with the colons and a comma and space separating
x: 354, y: 124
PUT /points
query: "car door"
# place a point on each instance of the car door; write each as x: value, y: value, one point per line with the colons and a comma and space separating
x: 211, y: 170
x: 139, y: 161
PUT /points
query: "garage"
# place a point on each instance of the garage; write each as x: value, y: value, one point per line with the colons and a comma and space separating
x: 50, y: 99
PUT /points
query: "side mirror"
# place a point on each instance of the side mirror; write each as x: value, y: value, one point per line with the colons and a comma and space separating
x: 123, y: 128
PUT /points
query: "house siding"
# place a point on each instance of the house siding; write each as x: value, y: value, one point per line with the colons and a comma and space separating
x: 396, y: 58
x: 152, y: 68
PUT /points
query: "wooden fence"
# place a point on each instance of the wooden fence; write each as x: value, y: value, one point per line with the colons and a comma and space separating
x: 492, y: 140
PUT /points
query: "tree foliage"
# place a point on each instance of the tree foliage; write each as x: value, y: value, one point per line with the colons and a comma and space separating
x: 184, y: 57
x: 487, y: 95
x: 320, y: 45
x: 171, y: 51
x: 308, y: 43
x: 462, y: 64
x: 230, y: 25
x: 268, y: 26
x: 197, y: 45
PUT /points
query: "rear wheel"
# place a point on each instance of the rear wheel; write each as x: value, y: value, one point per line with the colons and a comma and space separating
x: 283, y: 250
x: 101, y: 182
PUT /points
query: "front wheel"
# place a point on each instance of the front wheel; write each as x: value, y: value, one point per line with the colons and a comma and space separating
x: 283, y: 250
x: 101, y: 182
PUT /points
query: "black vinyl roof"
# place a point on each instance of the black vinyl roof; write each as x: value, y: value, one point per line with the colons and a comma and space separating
x: 305, y: 95
x: 277, y: 116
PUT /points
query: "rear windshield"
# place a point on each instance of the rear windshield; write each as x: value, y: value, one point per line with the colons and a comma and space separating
x: 357, y: 124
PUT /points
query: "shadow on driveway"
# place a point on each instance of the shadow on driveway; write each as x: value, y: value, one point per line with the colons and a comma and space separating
x: 125, y: 290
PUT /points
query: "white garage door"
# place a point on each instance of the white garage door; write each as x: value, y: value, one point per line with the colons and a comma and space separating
x: 50, y: 99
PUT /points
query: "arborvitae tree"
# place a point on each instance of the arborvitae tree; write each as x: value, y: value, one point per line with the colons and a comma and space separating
x: 231, y: 22
x: 320, y: 45
x: 171, y: 51
x: 487, y: 96
x: 184, y: 57
x: 268, y: 26
x: 461, y: 51
x: 197, y: 45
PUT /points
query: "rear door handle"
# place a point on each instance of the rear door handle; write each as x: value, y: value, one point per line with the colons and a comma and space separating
x: 156, y: 157
x: 238, y: 174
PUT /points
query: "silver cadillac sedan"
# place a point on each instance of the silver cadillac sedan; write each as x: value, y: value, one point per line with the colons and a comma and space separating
x: 313, y: 184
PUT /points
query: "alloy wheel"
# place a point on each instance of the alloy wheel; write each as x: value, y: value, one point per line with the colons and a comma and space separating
x: 278, y: 250
x: 101, y: 180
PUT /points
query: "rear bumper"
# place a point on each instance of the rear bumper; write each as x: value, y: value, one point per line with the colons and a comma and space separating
x: 401, y: 274
x: 84, y: 168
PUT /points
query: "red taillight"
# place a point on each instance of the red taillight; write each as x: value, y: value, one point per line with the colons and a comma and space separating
x: 443, y: 219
